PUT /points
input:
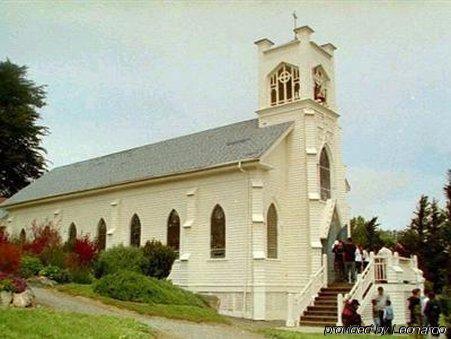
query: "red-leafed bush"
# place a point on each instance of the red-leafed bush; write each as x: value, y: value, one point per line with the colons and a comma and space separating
x: 4, y: 237
x: 20, y: 285
x: 44, y: 236
x: 9, y: 257
x: 85, y: 251
x: 9, y: 282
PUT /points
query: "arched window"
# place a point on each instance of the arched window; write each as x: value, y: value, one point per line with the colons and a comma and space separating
x: 271, y: 221
x: 23, y: 236
x: 324, y: 175
x: 72, y: 232
x: 173, y: 236
x: 218, y: 233
x: 284, y: 84
x: 101, y: 235
x: 135, y: 231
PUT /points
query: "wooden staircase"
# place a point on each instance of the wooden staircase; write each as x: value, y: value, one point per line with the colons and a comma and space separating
x: 324, y: 309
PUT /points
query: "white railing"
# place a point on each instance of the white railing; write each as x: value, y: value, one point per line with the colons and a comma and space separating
x: 385, y: 268
x: 298, y: 303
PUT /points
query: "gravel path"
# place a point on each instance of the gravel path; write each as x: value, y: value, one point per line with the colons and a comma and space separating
x: 167, y: 328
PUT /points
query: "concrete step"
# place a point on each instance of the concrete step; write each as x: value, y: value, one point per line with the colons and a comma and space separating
x: 326, y: 308
x: 320, y: 312
x: 319, y: 318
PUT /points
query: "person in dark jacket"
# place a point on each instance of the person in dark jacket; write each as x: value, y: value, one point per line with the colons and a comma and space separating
x: 432, y: 311
x: 339, y: 265
x: 349, y: 316
x: 416, y: 318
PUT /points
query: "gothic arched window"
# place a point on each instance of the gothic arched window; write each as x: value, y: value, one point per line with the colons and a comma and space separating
x: 218, y: 233
x: 173, y: 235
x: 324, y: 175
x: 101, y: 234
x: 23, y: 236
x: 72, y: 232
x: 135, y: 231
x: 271, y: 229
x: 284, y: 84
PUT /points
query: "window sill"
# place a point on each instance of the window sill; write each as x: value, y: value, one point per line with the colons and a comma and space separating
x: 218, y: 259
x: 273, y: 259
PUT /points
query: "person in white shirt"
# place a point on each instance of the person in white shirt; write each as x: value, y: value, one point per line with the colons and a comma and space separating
x: 358, y: 259
x: 366, y: 258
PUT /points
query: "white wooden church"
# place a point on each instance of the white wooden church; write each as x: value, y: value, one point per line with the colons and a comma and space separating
x: 252, y: 207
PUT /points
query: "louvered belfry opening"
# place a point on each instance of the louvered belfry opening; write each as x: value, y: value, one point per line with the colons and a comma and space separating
x: 101, y: 235
x: 135, y: 231
x: 324, y: 175
x: 173, y: 235
x: 271, y: 221
x: 218, y: 233
x: 284, y: 84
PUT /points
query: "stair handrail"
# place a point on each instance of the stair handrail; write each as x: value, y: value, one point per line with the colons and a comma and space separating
x: 363, y: 283
x: 298, y: 302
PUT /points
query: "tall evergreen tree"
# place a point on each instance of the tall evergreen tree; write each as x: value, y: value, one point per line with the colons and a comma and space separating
x: 21, y: 153
x: 374, y: 242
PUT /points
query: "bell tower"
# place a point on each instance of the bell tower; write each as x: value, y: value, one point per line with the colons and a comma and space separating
x: 295, y: 71
x: 296, y: 83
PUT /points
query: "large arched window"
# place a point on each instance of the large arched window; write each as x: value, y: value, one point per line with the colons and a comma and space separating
x: 271, y: 221
x: 324, y: 175
x: 101, y: 234
x: 72, y: 233
x: 173, y: 236
x: 284, y: 84
x: 218, y: 233
x: 135, y: 231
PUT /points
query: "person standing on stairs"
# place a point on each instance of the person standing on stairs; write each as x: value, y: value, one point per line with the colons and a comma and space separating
x: 350, y: 249
x: 339, y: 268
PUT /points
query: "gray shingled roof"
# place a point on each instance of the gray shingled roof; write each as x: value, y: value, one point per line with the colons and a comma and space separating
x: 222, y: 145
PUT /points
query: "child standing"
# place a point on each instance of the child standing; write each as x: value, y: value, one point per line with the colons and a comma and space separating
x: 376, y: 320
x: 388, y: 316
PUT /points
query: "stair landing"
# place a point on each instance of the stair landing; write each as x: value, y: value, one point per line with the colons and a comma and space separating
x: 323, y: 312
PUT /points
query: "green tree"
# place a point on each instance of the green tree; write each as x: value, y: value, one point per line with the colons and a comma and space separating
x: 358, y: 231
x: 373, y: 239
x: 21, y: 153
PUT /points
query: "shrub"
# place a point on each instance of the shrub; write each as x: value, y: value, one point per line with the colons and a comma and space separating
x: 6, y: 285
x: 81, y: 275
x: 85, y: 250
x: 159, y: 259
x: 11, y: 283
x: 119, y: 258
x: 30, y: 266
x: 53, y: 256
x: 9, y: 257
x: 55, y: 273
x: 133, y: 286
x: 44, y: 236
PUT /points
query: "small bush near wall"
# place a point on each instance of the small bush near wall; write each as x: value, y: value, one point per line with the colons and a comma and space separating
x: 119, y: 258
x: 44, y: 236
x: 30, y: 266
x: 55, y: 273
x: 133, y: 286
x: 159, y: 259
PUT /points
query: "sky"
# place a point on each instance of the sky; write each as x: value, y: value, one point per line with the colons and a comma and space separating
x: 125, y: 74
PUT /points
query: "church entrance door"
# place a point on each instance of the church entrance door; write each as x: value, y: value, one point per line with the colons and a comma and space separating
x: 336, y: 232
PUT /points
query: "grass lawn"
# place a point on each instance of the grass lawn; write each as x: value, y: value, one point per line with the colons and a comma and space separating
x: 281, y: 334
x: 45, y: 323
x: 184, y: 312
